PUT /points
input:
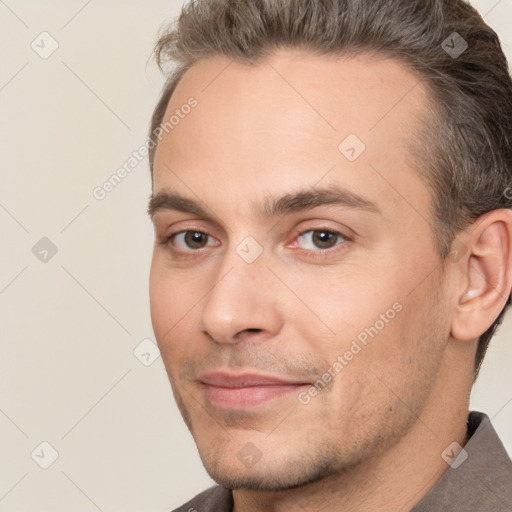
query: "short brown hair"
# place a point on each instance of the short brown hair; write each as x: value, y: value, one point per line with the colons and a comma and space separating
x: 469, y: 129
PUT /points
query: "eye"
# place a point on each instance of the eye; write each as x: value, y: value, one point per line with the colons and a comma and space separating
x: 189, y: 240
x: 321, y: 239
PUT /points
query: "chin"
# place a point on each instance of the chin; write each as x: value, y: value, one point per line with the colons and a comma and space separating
x: 277, y: 474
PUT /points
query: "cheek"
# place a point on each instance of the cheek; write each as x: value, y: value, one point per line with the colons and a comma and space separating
x: 345, y: 304
x: 357, y: 328
x: 366, y: 329
x: 158, y: 297
x: 175, y: 304
x: 171, y: 302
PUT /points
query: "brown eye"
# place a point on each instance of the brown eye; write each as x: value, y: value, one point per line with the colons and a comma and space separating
x: 190, y: 240
x: 320, y: 239
x: 195, y: 239
x: 324, y: 239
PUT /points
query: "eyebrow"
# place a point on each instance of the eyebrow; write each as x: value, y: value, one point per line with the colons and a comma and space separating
x: 272, y: 206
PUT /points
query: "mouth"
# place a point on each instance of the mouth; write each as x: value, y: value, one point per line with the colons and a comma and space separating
x: 246, y: 390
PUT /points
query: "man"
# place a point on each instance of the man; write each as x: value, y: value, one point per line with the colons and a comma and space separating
x: 333, y: 250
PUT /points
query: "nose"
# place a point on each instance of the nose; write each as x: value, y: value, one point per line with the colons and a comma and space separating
x: 242, y: 302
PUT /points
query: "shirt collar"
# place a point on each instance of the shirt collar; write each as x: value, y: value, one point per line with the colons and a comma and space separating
x: 482, y: 481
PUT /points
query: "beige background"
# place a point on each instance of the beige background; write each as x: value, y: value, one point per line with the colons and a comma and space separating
x: 69, y: 326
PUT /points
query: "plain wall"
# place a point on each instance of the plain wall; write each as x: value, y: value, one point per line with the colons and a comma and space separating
x: 69, y: 326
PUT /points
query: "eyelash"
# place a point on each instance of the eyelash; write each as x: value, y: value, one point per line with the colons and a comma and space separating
x: 320, y: 253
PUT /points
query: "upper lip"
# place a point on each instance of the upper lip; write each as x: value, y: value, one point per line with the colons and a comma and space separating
x: 239, y: 380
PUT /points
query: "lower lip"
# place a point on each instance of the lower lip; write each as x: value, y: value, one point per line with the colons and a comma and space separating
x: 250, y: 396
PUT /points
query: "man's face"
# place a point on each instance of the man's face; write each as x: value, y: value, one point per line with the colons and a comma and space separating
x: 342, y: 295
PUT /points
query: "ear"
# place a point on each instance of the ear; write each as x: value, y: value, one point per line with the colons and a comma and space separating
x: 486, y: 270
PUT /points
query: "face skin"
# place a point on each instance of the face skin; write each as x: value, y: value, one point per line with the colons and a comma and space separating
x: 265, y: 132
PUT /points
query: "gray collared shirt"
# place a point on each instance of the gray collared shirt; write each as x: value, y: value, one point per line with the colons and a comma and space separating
x: 481, y: 483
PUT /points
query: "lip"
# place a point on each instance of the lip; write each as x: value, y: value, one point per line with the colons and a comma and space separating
x: 245, y: 390
x: 239, y: 380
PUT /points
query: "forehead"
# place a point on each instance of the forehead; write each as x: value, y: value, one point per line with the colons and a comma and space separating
x: 358, y: 92
x: 288, y: 120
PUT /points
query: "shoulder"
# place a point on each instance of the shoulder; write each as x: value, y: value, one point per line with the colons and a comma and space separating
x: 214, y: 499
x: 480, y: 477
